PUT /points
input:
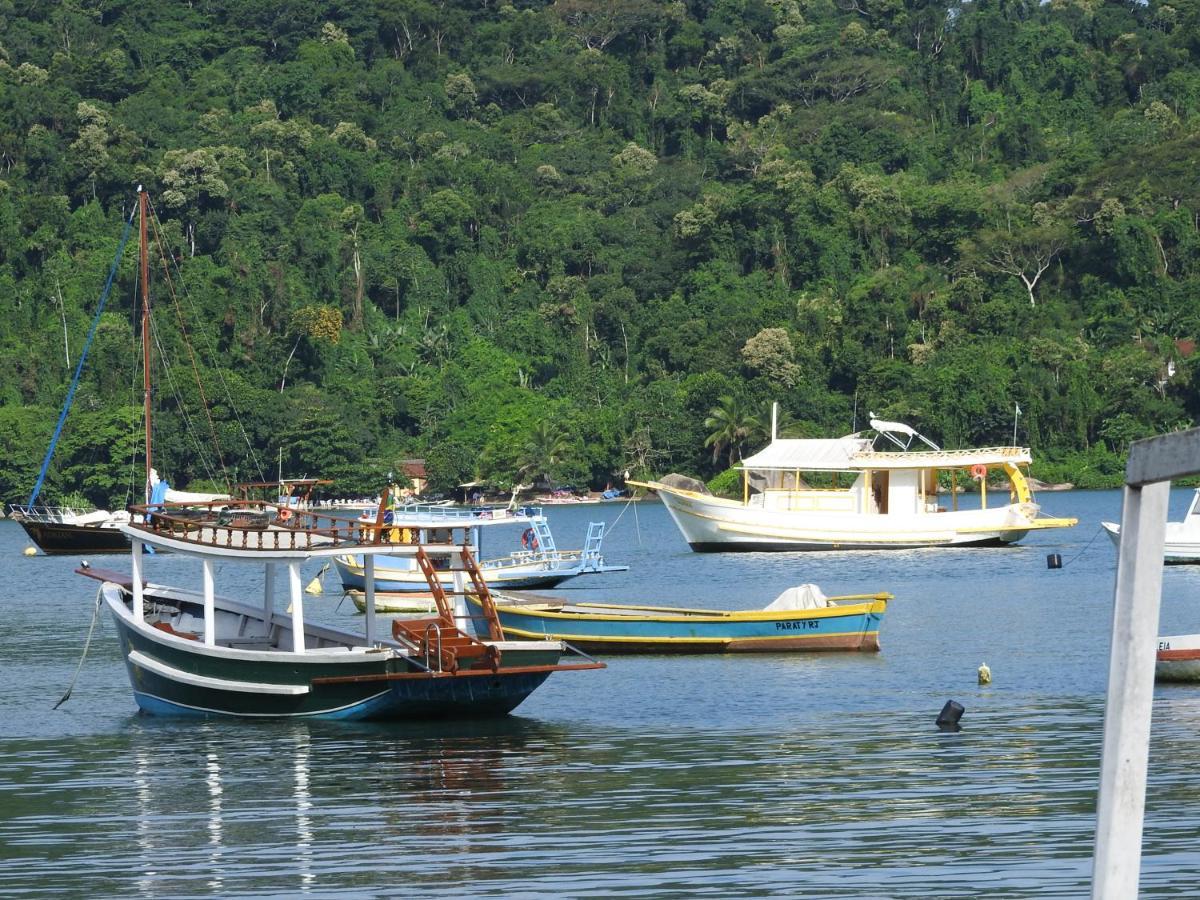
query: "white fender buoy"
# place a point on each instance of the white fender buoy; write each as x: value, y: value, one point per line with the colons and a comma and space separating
x: 985, y: 674
x: 30, y: 551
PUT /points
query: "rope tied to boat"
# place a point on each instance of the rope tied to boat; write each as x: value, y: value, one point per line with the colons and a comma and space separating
x: 83, y: 656
x: 637, y: 525
x: 1099, y: 531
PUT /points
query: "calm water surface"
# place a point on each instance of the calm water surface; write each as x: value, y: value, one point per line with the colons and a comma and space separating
x: 780, y: 775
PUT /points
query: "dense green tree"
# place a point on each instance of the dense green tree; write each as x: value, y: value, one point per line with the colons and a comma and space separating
x: 417, y: 229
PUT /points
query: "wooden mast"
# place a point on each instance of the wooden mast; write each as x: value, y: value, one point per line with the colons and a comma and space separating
x: 145, y: 283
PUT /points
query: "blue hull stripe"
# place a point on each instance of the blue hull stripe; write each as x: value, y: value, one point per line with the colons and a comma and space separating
x: 613, y: 628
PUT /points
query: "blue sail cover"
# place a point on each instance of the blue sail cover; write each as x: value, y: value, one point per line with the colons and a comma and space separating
x: 158, y: 495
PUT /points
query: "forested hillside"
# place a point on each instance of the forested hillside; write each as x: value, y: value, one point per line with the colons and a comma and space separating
x: 577, y: 237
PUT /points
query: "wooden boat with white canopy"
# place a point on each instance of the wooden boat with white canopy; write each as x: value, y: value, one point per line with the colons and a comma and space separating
x: 850, y: 493
x: 195, y: 653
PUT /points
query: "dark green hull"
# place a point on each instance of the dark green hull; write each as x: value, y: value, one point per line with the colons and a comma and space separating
x: 170, y: 679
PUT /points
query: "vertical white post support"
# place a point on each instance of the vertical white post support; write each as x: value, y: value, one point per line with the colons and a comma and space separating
x: 136, y: 558
x: 369, y: 578
x: 1120, y: 808
x: 210, y: 605
x: 1126, y: 749
x: 459, y: 603
x: 297, y: 597
x: 269, y: 593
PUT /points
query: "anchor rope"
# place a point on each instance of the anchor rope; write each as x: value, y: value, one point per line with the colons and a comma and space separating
x: 83, y: 656
x: 1099, y: 531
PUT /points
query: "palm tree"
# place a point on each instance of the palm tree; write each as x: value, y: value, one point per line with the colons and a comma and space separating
x: 730, y: 427
x: 785, y: 425
x: 547, y: 447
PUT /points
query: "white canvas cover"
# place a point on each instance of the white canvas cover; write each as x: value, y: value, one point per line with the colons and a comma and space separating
x: 895, y: 427
x: 94, y: 517
x: 174, y: 496
x: 803, y: 596
x: 808, y: 454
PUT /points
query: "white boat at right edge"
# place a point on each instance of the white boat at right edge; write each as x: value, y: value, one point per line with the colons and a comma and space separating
x: 1182, y: 543
x: 892, y: 498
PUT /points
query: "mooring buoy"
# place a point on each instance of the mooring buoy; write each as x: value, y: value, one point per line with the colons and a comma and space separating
x: 29, y: 551
x: 985, y: 674
x: 1053, y: 561
x: 947, y: 719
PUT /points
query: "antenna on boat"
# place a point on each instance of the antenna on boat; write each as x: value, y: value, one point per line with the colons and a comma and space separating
x: 774, y: 417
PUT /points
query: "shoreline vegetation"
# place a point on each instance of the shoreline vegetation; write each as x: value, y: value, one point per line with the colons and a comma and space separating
x: 555, y: 242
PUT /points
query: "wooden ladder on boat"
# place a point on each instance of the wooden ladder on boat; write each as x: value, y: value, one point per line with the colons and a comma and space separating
x: 439, y: 638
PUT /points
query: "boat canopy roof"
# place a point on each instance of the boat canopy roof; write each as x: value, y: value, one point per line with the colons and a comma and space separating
x: 813, y: 455
x: 853, y: 453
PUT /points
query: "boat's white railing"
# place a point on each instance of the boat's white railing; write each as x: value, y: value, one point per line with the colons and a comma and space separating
x: 525, y: 558
x: 53, y: 515
x: 424, y: 511
x: 942, y: 458
x: 260, y: 526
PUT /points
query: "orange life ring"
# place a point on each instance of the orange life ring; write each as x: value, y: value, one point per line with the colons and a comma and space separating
x: 529, y: 539
x: 285, y: 515
x: 979, y: 470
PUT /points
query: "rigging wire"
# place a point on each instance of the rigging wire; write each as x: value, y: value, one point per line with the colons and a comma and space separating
x: 213, y: 355
x: 62, y: 418
x: 212, y: 428
x: 189, y: 428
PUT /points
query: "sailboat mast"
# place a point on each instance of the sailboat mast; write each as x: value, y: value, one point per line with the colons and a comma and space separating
x: 145, y: 282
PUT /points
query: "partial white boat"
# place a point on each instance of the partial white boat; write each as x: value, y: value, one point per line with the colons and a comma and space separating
x: 533, y: 562
x: 1178, y: 658
x: 1182, y: 543
x: 850, y: 494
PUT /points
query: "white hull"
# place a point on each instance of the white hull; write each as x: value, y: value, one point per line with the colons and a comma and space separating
x: 715, y: 524
x: 540, y: 573
x: 1182, y: 544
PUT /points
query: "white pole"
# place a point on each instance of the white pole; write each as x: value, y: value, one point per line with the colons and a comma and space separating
x: 269, y: 595
x: 138, y: 613
x: 459, y: 602
x: 774, y: 419
x: 1126, y: 748
x: 297, y: 598
x: 1016, y: 415
x: 369, y: 577
x: 210, y: 605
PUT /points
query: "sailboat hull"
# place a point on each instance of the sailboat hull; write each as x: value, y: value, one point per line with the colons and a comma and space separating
x: 58, y: 538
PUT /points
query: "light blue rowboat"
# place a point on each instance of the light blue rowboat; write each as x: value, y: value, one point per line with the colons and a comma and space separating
x: 802, y: 618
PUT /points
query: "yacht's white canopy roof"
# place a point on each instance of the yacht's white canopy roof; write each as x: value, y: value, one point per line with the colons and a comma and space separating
x: 855, y: 454
x: 813, y: 455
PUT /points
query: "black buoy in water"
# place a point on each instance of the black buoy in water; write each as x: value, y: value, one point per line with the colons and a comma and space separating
x: 1053, y: 561
x: 947, y: 719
